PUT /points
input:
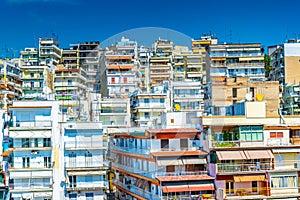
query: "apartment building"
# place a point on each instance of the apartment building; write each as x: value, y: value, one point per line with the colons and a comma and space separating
x: 285, y: 62
x: 144, y: 54
x: 285, y: 65
x: 199, y: 47
x: 161, y: 62
x: 160, y: 164
x: 30, y: 56
x: 187, y: 96
x: 187, y: 64
x: 223, y: 92
x: 290, y: 103
x: 35, y: 170
x: 252, y: 156
x: 112, y: 112
x: 88, y: 58
x: 10, y: 82
x: 235, y: 60
x: 148, y: 108
x: 85, y: 148
x: 121, y: 75
x: 72, y: 92
x: 49, y: 51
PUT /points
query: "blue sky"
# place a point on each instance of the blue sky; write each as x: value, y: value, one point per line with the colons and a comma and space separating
x: 73, y: 21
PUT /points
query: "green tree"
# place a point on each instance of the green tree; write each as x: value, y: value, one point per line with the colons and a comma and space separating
x: 267, y: 62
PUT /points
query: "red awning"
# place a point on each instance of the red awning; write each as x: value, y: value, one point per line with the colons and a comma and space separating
x: 201, y: 187
x: 179, y: 188
x: 187, y: 188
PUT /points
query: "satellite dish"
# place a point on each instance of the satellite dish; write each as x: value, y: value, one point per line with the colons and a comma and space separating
x: 259, y: 97
x: 249, y: 97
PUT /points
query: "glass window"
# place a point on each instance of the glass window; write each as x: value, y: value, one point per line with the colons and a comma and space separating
x: 251, y: 133
x: 89, y: 196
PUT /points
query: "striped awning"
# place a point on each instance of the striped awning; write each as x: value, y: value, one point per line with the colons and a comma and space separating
x: 231, y: 155
x: 249, y: 178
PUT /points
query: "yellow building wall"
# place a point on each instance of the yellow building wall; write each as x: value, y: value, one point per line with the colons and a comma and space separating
x: 292, y: 69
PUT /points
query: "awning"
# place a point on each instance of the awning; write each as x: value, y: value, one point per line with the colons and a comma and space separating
x: 85, y: 173
x: 179, y: 188
x: 201, y: 187
x: 213, y: 58
x: 231, y: 155
x: 168, y: 162
x: 251, y: 58
x: 126, y: 66
x: 258, y: 154
x: 187, y: 161
x: 249, y: 178
x: 187, y: 188
x: 289, y: 150
x: 113, y: 67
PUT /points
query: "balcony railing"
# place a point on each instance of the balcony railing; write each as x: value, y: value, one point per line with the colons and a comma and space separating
x: 86, y: 164
x: 30, y: 186
x: 181, y: 173
x: 131, y: 150
x: 262, y: 191
x: 244, y: 167
x: 94, y: 144
x: 37, y: 123
x: 136, y: 190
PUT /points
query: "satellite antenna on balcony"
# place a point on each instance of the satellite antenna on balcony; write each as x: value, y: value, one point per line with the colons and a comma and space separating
x: 249, y: 97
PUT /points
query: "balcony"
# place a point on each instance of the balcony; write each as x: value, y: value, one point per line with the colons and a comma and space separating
x: 244, y: 192
x: 30, y: 124
x: 244, y: 167
x: 79, y: 145
x: 76, y: 165
x: 145, y: 152
x: 136, y: 190
x: 88, y: 186
x: 30, y: 186
x: 134, y: 170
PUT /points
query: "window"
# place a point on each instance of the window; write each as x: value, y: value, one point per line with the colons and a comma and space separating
x: 73, y: 196
x: 170, y: 168
x: 146, y: 101
x: 252, y: 91
x: 284, y: 181
x: 183, y: 143
x: 25, y: 142
x: 125, y: 80
x: 172, y: 121
x: 88, y: 159
x: 164, y: 144
x: 33, y: 142
x: 276, y: 134
x: 31, y: 74
x: 229, y: 187
x: 47, y: 162
x: 162, y: 100
x: 47, y: 142
x: 25, y: 162
x: 69, y: 82
x: 72, y: 181
x: 113, y: 80
x: 234, y: 92
x: 147, y: 115
x: 254, y: 186
x: 89, y: 196
x: 251, y: 133
x: 72, y: 159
